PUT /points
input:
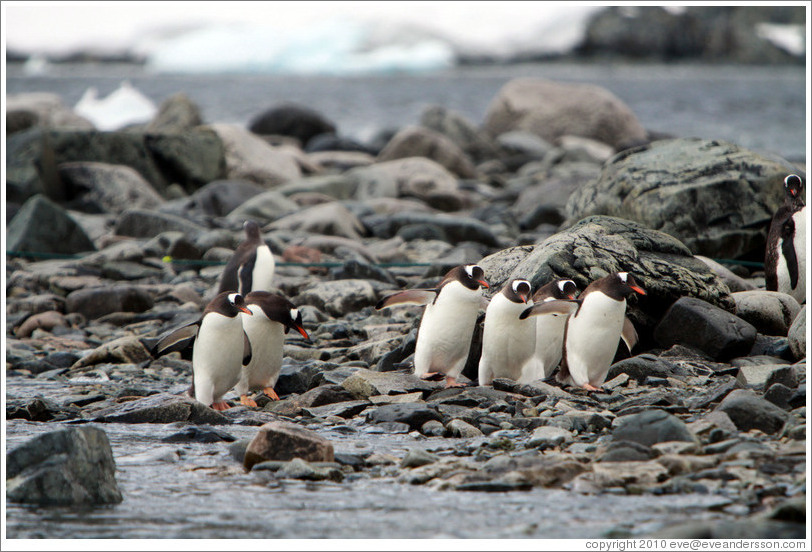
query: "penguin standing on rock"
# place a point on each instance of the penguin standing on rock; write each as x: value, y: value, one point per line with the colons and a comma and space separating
x: 549, y: 331
x: 251, y: 267
x: 272, y: 316
x: 508, y: 342
x: 447, y: 326
x: 785, y: 259
x: 596, y: 323
x: 220, y: 348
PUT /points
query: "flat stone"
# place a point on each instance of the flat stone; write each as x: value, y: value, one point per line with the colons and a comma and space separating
x: 413, y: 414
x: 750, y: 411
x: 286, y: 441
x: 650, y: 427
x: 161, y: 408
x: 549, y: 436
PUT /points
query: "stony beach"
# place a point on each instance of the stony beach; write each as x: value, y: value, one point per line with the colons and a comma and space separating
x: 115, y: 238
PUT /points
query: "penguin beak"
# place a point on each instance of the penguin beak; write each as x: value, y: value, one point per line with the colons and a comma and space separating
x: 302, y: 331
x: 638, y: 289
x: 483, y: 283
x: 246, y: 310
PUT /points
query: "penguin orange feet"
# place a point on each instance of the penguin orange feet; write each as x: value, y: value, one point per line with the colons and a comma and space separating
x: 221, y: 405
x: 269, y: 391
x: 246, y: 401
x: 589, y: 387
x: 452, y: 382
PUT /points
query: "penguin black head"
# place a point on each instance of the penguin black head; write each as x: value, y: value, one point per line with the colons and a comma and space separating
x: 794, y: 191
x: 518, y: 290
x: 228, y: 304
x: 557, y: 289
x: 471, y: 276
x: 620, y: 285
x: 279, y: 309
x: 251, y: 230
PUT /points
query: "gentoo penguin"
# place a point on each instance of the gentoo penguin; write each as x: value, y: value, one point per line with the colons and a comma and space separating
x: 251, y: 267
x: 508, y: 342
x: 785, y: 259
x: 549, y: 331
x: 220, y: 349
x: 447, y: 326
x: 273, y: 316
x: 596, y: 324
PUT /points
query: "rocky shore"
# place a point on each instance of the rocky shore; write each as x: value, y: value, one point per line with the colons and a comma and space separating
x: 114, y: 238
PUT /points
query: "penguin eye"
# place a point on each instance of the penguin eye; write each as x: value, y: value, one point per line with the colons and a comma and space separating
x: 233, y: 298
x: 294, y: 314
x: 624, y: 276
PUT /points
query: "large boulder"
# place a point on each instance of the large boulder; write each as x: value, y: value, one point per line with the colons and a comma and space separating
x: 286, y: 441
x: 597, y: 246
x: 177, y: 113
x: 797, y: 335
x: 42, y: 226
x: 715, y: 197
x: 409, y: 177
x: 552, y: 109
x: 94, y: 302
x: 67, y: 467
x: 295, y: 121
x: 104, y: 188
x: 42, y: 109
x: 478, y: 145
x: 416, y: 141
x: 220, y: 197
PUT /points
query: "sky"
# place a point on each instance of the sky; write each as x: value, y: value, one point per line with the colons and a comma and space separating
x: 56, y: 27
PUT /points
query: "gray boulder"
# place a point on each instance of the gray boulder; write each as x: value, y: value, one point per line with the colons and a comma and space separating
x: 409, y: 177
x: 696, y: 323
x: 95, y: 302
x: 177, y: 113
x: 161, y: 408
x: 797, y: 335
x: 220, y: 197
x: 363, y: 384
x: 265, y: 207
x: 650, y: 427
x: 286, y: 441
x: 413, y: 414
x: 479, y: 146
x: 331, y: 219
x: 42, y: 109
x: 249, y: 157
x: 451, y: 229
x: 415, y: 141
x: 770, y: 312
x: 68, y: 467
x: 340, y: 297
x: 597, y: 246
x: 141, y: 223
x: 42, y: 226
x: 750, y: 411
x: 552, y: 109
x: 295, y: 121
x: 104, y: 188
x: 715, y: 197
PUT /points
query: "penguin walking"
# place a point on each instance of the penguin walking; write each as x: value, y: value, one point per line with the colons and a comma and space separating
x: 785, y: 259
x: 549, y: 331
x: 508, y: 342
x: 596, y: 323
x: 251, y: 267
x: 272, y: 317
x: 447, y: 326
x: 220, y: 348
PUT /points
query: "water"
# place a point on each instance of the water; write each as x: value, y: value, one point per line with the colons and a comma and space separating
x: 762, y: 108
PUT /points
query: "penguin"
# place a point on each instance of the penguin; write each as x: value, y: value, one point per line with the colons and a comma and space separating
x: 596, y: 323
x: 785, y: 259
x: 220, y: 348
x: 508, y: 342
x: 444, y: 335
x: 549, y: 331
x: 251, y: 267
x: 272, y: 317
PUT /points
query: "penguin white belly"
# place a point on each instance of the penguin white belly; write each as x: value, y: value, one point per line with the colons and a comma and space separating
x: 267, y: 341
x: 217, y: 357
x: 508, y: 343
x: 264, y: 266
x: 592, y: 339
x: 548, y: 351
x: 782, y: 270
x: 445, y: 331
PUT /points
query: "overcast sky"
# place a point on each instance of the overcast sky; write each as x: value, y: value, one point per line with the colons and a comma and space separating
x: 61, y: 26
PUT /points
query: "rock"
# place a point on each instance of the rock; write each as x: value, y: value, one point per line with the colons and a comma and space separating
x: 624, y: 474
x: 177, y: 113
x: 797, y: 335
x: 696, y: 323
x: 644, y: 366
x: 462, y: 429
x: 97, y: 301
x: 141, y: 223
x: 476, y: 144
x: 757, y: 375
x: 749, y: 411
x: 549, y: 436
x: 299, y: 469
x: 161, y: 408
x: 452, y: 229
x: 68, y: 467
x: 409, y: 177
x: 221, y: 197
x: 249, y: 157
x: 286, y: 441
x: 779, y: 395
x: 626, y: 451
x: 340, y: 160
x: 336, y: 186
x: 344, y: 409
x: 340, y: 297
x: 596, y: 246
x: 413, y: 414
x: 714, y: 196
x: 770, y: 312
x: 332, y: 219
x: 42, y: 109
x: 42, y: 226
x: 329, y: 142
x: 791, y: 376
x: 650, y: 427
x: 292, y: 120
x: 362, y: 270
x: 415, y: 141
x: 731, y: 279
x: 38, y: 409
x: 551, y: 109
x: 127, y: 350
x: 715, y: 393
x: 200, y: 434
x: 323, y: 395
x: 578, y: 148
x: 104, y: 188
x: 47, y: 321
x: 364, y: 384
x: 416, y: 457
x: 265, y: 207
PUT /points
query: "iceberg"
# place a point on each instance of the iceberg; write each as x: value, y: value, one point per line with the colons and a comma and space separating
x: 124, y: 106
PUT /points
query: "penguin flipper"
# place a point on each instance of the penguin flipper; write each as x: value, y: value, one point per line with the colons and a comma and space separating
x: 629, y: 334
x: 176, y: 340
x: 246, y: 351
x: 408, y: 297
x: 556, y: 306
